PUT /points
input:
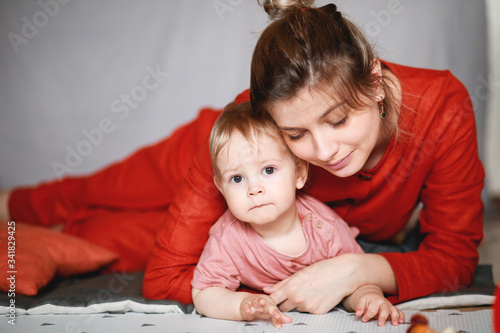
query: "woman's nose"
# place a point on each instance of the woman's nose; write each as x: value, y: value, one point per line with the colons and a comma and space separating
x: 325, y: 147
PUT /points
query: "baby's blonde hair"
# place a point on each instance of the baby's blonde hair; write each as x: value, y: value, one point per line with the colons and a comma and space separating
x: 241, y: 118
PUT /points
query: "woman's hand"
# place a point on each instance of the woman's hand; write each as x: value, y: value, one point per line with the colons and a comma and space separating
x: 257, y: 306
x: 321, y: 286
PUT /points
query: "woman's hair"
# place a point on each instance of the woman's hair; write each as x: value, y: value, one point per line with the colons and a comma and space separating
x: 317, y: 49
x: 241, y: 118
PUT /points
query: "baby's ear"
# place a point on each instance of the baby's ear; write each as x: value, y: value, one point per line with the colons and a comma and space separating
x: 217, y: 183
x: 302, y: 171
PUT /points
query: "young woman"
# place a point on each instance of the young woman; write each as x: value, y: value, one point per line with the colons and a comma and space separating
x: 381, y: 138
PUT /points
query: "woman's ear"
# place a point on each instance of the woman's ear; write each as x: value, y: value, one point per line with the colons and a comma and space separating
x: 377, y: 73
x: 302, y: 170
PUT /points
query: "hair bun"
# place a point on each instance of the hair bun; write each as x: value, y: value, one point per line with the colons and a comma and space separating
x: 332, y: 10
x: 279, y: 8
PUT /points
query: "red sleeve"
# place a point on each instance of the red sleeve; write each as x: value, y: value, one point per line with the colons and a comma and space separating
x: 180, y: 241
x: 244, y: 96
x: 197, y: 205
x: 452, y: 216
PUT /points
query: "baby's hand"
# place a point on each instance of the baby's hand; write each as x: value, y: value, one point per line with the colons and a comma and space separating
x: 257, y: 306
x: 370, y: 303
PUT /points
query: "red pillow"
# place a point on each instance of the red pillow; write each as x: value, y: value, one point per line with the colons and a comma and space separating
x: 31, y: 256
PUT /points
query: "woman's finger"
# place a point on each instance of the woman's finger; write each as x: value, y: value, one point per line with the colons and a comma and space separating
x: 278, y: 297
x: 277, y: 292
x: 276, y: 286
x: 287, y: 306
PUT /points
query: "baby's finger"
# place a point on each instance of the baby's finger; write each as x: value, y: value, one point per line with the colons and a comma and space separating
x: 360, y: 308
x: 397, y: 316
x: 401, y: 317
x: 285, y: 319
x: 260, y: 308
x: 270, y: 308
x: 370, y: 312
x: 246, y: 307
x: 280, y: 318
x: 277, y: 322
x: 246, y: 312
x: 383, y: 314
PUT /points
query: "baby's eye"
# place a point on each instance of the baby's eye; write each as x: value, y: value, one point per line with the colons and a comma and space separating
x: 269, y: 170
x: 236, y: 179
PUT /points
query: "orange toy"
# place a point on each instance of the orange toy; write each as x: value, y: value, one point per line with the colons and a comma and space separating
x: 420, y: 324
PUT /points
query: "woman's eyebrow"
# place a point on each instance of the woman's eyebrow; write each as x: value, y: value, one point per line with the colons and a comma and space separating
x: 323, y: 115
x: 331, y: 108
x: 281, y: 128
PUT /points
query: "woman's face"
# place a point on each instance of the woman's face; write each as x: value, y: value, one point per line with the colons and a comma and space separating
x: 319, y: 130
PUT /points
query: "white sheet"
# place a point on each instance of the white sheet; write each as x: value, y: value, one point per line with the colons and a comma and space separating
x: 132, y: 306
x: 336, y: 321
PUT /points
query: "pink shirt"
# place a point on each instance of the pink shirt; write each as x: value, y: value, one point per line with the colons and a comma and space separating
x: 236, y: 254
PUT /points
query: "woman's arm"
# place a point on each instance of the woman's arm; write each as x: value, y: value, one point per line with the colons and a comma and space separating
x: 182, y: 237
x: 221, y: 303
x: 451, y: 220
x: 321, y: 286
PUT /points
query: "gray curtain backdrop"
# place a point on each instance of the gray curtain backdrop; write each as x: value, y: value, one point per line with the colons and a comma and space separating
x: 86, y: 83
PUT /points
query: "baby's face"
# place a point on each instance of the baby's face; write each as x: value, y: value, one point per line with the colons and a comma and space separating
x: 258, y: 179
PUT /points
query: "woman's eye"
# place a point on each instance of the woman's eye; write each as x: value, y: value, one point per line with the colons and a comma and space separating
x: 236, y: 179
x: 269, y: 170
x: 339, y: 123
x: 295, y: 137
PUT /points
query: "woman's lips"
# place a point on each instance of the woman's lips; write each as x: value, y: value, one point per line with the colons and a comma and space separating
x: 340, y: 164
